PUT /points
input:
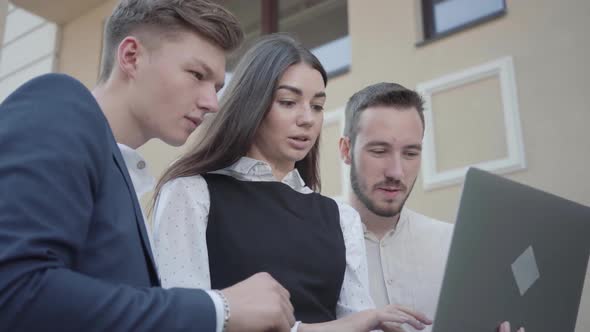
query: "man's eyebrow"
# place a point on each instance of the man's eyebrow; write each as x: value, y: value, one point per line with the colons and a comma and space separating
x: 414, y: 146
x: 387, y: 144
x: 377, y: 143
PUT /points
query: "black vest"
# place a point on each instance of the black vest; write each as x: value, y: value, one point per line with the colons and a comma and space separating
x: 269, y: 227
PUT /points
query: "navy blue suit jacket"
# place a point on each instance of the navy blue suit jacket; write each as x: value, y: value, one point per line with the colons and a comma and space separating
x: 74, y: 253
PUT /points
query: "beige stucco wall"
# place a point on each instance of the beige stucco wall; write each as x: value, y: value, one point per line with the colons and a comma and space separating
x: 550, y: 53
x: 81, y: 43
x: 549, y: 50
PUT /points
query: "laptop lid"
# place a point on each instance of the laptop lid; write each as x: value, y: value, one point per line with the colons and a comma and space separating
x: 518, y: 254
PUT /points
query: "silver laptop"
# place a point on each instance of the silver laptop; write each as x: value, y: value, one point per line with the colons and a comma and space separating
x: 518, y: 254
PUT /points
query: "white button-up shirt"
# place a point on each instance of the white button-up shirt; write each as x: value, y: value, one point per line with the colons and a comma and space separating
x: 407, y: 265
x: 144, y: 182
x: 180, y: 224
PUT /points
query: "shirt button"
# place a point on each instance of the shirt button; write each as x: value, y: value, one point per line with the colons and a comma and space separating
x: 141, y: 164
x: 390, y: 282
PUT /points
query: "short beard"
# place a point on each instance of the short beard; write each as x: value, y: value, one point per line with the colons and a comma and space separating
x: 360, y: 194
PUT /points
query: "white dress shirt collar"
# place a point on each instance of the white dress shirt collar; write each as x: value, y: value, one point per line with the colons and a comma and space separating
x: 249, y: 169
x: 143, y: 181
x: 401, y: 223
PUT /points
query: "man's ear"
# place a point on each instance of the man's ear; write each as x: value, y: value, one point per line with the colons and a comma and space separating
x: 345, y: 149
x: 128, y: 56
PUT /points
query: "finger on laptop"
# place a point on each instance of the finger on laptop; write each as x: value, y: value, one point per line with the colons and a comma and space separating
x: 421, y: 317
x: 504, y: 327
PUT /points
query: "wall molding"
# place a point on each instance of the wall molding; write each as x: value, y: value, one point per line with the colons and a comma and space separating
x: 503, y: 68
x: 337, y: 117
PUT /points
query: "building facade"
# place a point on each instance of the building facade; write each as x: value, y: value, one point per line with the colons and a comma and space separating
x: 506, y: 82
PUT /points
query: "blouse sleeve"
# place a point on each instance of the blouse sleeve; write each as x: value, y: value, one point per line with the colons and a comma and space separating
x: 180, y: 241
x: 355, y: 295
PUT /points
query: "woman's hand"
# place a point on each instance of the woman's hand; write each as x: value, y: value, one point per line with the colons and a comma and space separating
x: 505, y: 327
x: 389, y: 319
x: 393, y: 316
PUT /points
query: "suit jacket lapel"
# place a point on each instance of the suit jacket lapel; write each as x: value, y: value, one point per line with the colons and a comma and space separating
x: 119, y: 161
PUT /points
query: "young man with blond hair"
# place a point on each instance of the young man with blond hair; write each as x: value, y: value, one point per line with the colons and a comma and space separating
x: 74, y: 251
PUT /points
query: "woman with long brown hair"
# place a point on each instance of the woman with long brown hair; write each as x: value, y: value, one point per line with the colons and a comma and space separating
x: 243, y: 200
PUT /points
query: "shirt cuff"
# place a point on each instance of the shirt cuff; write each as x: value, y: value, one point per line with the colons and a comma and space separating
x: 219, y: 310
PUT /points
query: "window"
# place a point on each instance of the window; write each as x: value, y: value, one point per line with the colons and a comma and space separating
x: 249, y: 13
x: 443, y: 17
x: 320, y: 25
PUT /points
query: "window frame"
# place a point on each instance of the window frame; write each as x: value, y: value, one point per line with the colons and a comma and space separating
x: 270, y: 24
x: 429, y: 33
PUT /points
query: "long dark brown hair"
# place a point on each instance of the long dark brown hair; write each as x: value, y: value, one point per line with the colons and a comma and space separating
x: 243, y: 106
